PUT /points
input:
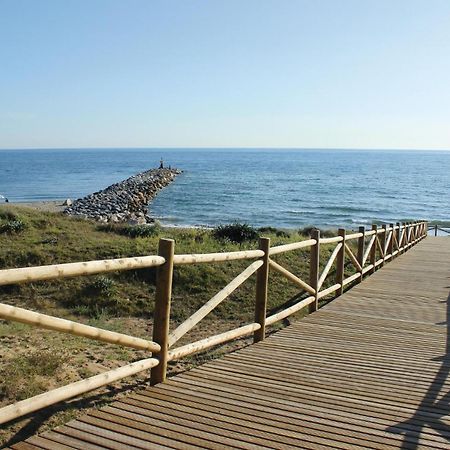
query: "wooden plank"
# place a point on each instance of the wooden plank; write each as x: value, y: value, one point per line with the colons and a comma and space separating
x: 64, y: 439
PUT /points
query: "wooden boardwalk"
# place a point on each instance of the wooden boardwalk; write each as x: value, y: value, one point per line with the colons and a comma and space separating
x: 370, y: 370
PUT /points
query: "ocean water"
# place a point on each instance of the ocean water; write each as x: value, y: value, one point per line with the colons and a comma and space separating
x: 283, y: 188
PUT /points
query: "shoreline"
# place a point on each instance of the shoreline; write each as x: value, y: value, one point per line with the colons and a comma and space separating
x: 54, y: 206
x: 57, y: 206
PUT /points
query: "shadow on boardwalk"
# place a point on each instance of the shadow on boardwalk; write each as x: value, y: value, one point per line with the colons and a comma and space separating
x: 432, y: 408
x: 35, y: 423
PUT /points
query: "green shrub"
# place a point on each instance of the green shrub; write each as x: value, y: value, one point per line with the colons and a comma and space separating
x: 272, y: 230
x: 235, y: 232
x: 12, y: 226
x: 306, y: 231
x: 7, y: 215
x: 101, y: 287
x: 133, y: 231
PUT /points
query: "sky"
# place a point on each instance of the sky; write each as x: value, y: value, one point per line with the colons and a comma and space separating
x: 234, y: 73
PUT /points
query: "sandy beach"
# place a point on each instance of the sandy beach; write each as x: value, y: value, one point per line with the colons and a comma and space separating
x: 48, y: 205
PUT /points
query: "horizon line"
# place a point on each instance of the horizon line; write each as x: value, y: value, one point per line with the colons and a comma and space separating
x: 230, y: 148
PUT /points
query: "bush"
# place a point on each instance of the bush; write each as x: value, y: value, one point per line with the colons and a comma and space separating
x: 272, y: 230
x: 306, y: 231
x: 101, y: 287
x: 141, y: 231
x: 235, y: 232
x: 7, y: 215
x: 276, y: 231
x: 133, y: 231
x: 12, y: 226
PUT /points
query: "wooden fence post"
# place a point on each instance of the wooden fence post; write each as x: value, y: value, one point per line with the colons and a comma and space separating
x: 161, y: 316
x: 435, y: 230
x: 262, y: 279
x: 361, y: 247
x: 340, y: 261
x: 398, y: 234
x: 373, y: 250
x: 314, y: 259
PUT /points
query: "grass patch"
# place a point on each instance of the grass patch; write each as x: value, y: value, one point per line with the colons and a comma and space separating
x: 22, y: 376
x: 11, y: 223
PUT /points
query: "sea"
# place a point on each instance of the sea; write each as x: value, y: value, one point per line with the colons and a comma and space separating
x: 286, y: 188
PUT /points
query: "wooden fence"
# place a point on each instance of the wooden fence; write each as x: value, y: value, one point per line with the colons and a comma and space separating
x: 374, y: 247
x: 437, y: 228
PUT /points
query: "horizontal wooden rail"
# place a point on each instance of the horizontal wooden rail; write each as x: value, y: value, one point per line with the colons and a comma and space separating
x: 78, y: 329
x: 349, y: 237
x: 40, y: 401
x: 190, y: 323
x: 437, y: 228
x: 329, y: 290
x: 331, y: 240
x: 290, y: 247
x: 41, y: 273
x: 289, y: 311
x: 212, y: 341
x: 350, y: 279
x: 216, y: 257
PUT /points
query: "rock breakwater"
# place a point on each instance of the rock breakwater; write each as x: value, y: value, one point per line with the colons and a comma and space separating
x: 126, y: 201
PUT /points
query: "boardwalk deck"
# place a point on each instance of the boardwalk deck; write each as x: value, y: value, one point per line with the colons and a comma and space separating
x: 370, y: 370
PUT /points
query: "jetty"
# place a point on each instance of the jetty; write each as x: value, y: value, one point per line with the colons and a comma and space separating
x: 125, y: 201
x: 369, y: 369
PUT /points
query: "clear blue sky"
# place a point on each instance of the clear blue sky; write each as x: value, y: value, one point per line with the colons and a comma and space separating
x: 228, y: 73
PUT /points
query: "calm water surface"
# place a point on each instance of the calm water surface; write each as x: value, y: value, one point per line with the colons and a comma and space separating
x: 284, y: 188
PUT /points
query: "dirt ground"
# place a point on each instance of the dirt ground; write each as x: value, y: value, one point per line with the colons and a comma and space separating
x: 75, y: 359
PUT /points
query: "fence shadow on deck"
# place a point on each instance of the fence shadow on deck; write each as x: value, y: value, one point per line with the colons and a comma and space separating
x: 431, y: 409
x: 41, y: 417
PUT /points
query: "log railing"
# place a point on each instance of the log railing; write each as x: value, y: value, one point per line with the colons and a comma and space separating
x: 437, y: 228
x: 365, y: 251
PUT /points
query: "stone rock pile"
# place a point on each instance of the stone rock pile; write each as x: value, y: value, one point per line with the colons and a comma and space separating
x: 124, y: 202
